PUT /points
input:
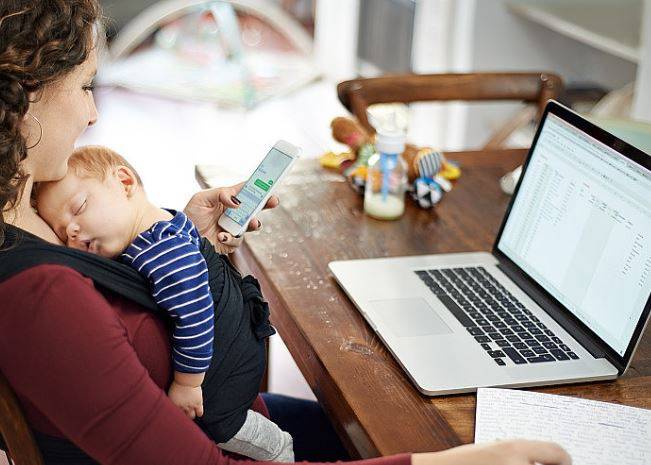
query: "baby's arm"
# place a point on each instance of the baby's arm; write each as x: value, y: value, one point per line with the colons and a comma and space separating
x: 179, y: 279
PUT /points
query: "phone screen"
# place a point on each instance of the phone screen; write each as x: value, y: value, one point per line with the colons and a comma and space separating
x: 258, y: 185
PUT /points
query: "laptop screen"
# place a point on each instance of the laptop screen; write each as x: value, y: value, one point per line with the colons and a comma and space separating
x: 581, y: 227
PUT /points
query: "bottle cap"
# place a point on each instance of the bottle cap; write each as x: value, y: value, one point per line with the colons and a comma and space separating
x: 386, y: 142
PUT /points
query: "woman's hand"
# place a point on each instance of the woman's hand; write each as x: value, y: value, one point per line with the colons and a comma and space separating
x: 205, y: 208
x: 514, y: 452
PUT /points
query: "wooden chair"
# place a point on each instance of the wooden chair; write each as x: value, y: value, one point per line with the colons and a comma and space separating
x: 357, y: 94
x: 16, y: 434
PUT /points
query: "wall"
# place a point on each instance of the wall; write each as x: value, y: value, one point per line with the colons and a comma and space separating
x: 504, y: 41
x: 335, y: 38
x: 483, y: 35
x: 642, y: 105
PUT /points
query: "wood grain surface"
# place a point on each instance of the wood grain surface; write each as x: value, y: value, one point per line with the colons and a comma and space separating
x: 375, y: 408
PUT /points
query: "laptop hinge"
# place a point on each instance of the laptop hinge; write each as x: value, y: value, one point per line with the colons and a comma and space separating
x: 558, y: 314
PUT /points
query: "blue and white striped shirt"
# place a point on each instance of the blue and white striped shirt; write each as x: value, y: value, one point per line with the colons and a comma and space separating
x: 168, y: 255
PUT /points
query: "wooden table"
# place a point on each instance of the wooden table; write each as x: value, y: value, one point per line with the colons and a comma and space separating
x: 375, y: 408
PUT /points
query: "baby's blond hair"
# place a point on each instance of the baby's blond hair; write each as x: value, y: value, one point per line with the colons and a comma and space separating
x: 96, y: 161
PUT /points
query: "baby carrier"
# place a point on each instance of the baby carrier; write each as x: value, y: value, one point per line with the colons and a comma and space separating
x: 232, y: 382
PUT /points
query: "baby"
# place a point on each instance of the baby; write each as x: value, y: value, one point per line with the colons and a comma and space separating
x: 100, y: 207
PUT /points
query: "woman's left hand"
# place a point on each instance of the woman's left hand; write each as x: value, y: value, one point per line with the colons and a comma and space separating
x: 205, y: 208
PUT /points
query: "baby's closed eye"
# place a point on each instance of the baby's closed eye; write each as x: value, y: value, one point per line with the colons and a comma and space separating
x: 80, y: 207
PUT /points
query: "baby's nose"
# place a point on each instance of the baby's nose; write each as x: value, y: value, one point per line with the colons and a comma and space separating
x: 72, y: 231
x: 74, y: 243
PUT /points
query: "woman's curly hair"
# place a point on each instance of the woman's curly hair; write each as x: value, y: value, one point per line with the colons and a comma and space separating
x: 40, y: 42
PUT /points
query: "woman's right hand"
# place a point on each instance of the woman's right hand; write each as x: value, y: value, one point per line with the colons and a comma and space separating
x: 205, y: 208
x: 513, y: 452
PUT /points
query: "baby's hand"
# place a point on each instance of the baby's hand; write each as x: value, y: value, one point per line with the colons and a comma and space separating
x: 187, y: 398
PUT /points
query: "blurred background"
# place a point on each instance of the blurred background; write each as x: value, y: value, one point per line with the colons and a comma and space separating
x: 596, y: 46
x: 200, y: 89
x: 187, y: 83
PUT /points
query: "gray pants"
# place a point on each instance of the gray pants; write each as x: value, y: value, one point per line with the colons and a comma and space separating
x: 261, y: 439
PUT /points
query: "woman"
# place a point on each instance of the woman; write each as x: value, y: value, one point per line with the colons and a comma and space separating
x: 91, y: 368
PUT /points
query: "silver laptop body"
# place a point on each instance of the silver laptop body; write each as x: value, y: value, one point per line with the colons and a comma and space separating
x: 564, y: 296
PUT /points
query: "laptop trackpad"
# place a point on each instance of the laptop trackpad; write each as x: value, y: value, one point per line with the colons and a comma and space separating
x: 408, y: 317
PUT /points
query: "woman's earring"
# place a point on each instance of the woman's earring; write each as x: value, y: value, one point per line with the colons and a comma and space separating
x: 40, y: 127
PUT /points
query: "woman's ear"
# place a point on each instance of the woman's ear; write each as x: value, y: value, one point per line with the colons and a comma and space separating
x: 128, y: 180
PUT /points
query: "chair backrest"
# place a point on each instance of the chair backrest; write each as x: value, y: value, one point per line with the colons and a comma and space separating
x: 357, y: 94
x: 17, y: 436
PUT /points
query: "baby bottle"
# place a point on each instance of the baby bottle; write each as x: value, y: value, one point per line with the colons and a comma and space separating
x: 386, y: 179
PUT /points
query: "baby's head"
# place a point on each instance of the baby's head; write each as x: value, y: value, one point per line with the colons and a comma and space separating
x: 97, y: 205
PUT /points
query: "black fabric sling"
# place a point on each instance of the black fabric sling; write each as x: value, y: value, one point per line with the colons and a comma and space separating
x: 22, y: 250
x: 241, y: 325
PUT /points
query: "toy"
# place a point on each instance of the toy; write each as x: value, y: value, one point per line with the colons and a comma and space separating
x: 429, y: 172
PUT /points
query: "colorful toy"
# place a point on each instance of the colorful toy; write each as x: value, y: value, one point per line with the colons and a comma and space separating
x: 429, y: 172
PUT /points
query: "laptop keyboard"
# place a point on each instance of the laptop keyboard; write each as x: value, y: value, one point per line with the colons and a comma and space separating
x: 505, y: 329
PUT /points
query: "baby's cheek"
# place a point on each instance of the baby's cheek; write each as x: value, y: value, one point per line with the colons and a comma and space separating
x: 45, y: 213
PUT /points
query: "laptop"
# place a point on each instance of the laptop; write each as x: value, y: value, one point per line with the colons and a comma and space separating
x: 565, y: 295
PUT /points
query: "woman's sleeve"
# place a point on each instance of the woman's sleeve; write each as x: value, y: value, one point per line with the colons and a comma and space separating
x: 63, y: 348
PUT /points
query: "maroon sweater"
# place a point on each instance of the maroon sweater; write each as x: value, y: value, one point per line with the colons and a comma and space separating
x: 94, y: 368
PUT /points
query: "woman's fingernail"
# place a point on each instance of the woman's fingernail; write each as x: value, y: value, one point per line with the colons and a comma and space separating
x: 235, y: 200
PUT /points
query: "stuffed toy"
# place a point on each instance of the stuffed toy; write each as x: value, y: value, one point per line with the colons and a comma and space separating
x: 429, y: 172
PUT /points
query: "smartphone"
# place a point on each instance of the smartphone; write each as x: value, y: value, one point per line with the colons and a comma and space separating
x: 258, y: 188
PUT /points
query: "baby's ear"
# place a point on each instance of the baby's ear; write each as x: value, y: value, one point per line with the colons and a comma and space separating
x: 127, y: 179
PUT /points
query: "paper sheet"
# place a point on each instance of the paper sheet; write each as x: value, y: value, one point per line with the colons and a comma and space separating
x: 594, y: 433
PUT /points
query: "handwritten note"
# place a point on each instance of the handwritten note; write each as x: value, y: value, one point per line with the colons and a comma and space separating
x: 594, y: 433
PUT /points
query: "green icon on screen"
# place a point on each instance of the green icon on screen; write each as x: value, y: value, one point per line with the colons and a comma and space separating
x: 262, y: 185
